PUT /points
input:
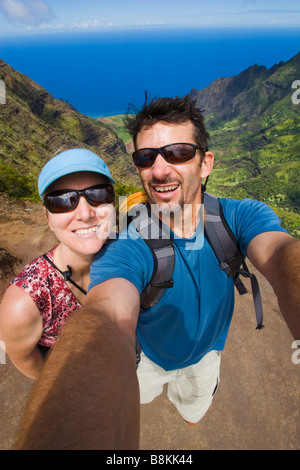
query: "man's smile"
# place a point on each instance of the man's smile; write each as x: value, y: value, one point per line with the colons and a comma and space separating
x: 162, y: 189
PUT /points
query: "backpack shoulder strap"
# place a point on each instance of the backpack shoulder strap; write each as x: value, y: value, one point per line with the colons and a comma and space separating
x: 221, y: 237
x: 228, y: 253
x: 162, y: 249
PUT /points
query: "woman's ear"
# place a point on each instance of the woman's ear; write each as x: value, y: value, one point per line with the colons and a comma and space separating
x: 46, y: 214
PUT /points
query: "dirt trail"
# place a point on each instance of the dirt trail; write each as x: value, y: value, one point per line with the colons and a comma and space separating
x: 256, y: 406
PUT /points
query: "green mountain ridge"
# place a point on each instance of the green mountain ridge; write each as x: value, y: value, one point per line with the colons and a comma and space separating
x: 254, y: 128
x: 253, y: 123
x: 34, y: 126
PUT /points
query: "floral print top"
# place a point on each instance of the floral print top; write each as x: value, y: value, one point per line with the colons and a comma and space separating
x: 50, y: 293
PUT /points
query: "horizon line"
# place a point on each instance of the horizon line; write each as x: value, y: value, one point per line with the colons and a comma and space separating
x: 47, y: 29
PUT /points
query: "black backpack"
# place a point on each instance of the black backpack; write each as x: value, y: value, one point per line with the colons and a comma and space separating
x: 221, y: 239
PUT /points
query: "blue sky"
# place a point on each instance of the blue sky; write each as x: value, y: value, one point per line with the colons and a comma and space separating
x: 17, y: 16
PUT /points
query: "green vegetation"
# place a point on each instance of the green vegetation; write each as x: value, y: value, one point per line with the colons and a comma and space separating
x: 290, y: 220
x: 254, y: 128
x: 263, y: 164
x: 124, y: 190
x: 116, y: 122
x: 255, y: 142
x: 34, y: 126
x: 16, y: 185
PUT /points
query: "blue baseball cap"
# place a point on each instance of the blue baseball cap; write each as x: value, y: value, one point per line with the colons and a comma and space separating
x: 71, y: 161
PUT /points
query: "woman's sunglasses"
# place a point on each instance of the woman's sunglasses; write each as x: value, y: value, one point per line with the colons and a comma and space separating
x: 173, y: 153
x: 66, y: 200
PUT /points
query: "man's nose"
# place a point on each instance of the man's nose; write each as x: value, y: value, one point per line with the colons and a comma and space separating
x: 160, y: 167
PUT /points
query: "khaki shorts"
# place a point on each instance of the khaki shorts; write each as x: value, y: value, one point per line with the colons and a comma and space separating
x: 190, y: 389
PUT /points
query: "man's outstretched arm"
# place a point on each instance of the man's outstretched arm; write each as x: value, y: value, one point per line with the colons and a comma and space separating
x: 277, y: 256
x: 87, y: 396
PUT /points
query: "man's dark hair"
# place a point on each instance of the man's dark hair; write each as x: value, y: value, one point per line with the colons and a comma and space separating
x: 172, y: 110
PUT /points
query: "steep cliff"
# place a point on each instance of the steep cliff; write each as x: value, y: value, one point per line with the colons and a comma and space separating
x: 254, y: 126
x: 34, y: 125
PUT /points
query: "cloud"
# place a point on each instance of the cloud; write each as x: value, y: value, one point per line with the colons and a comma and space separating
x: 30, y: 12
x: 46, y: 27
x: 86, y: 24
x: 273, y: 11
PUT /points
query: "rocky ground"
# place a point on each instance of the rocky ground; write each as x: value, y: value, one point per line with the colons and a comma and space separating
x: 256, y: 406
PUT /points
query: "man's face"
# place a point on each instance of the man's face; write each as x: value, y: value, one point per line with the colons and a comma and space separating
x: 172, y: 185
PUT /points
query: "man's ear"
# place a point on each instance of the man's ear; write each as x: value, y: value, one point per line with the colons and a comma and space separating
x: 207, y: 164
x: 137, y: 169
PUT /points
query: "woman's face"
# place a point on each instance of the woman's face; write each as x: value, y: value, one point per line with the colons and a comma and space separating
x: 85, y: 229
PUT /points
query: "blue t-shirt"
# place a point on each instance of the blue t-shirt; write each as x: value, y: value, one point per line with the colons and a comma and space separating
x: 194, y: 316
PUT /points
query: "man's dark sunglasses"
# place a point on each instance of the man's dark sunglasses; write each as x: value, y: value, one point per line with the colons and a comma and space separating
x: 66, y: 200
x: 173, y: 153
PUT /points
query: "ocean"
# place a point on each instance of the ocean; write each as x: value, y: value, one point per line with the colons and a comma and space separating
x: 101, y: 73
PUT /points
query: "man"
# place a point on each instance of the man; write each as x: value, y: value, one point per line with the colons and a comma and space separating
x: 182, y: 336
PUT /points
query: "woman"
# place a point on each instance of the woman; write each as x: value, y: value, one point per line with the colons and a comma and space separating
x: 77, y: 192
